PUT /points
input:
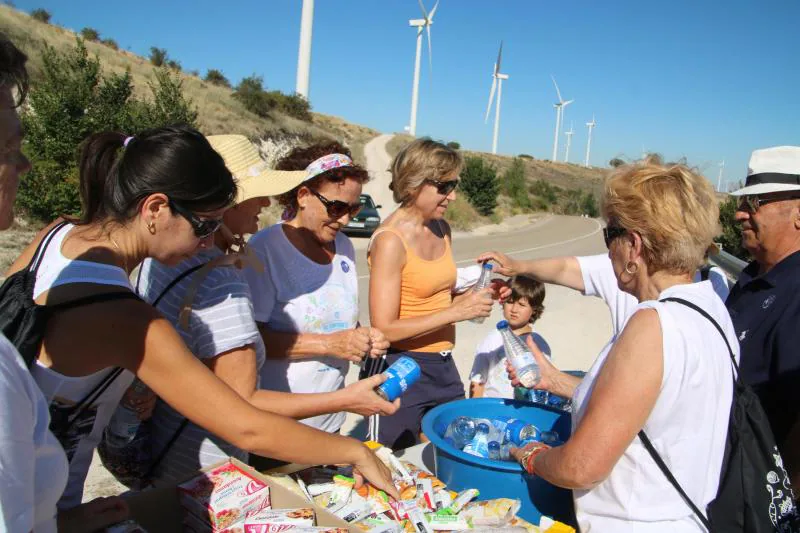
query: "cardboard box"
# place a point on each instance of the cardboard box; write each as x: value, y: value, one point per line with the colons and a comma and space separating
x: 160, y: 511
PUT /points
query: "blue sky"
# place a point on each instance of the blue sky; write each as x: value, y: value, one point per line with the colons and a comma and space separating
x: 701, y: 79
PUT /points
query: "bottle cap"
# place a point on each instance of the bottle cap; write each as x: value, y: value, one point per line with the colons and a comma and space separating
x: 487, y: 265
x: 483, y: 427
x: 494, y: 445
x: 503, y: 324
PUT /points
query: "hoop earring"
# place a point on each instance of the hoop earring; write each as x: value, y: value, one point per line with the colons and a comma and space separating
x: 151, y: 227
x: 629, y: 270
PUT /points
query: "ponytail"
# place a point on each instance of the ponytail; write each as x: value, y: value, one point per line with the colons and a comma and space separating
x: 99, y: 159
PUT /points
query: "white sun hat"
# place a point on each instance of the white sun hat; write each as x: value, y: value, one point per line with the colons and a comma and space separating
x: 774, y: 169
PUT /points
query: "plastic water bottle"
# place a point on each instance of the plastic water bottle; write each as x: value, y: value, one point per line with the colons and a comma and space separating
x: 399, y: 377
x: 519, y: 431
x: 460, y: 432
x: 480, y: 444
x: 519, y: 356
x: 483, y: 281
x: 494, y: 450
x: 125, y: 421
x: 551, y: 438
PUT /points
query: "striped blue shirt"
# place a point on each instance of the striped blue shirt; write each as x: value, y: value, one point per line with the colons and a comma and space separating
x: 221, y: 320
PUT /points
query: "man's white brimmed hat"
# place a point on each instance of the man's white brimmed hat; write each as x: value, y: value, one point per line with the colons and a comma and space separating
x: 771, y: 170
x: 253, y: 178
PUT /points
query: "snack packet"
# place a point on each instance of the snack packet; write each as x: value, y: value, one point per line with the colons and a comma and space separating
x: 379, y: 525
x: 491, y: 513
x: 355, y: 509
x: 127, y: 526
x: 425, y: 496
x: 447, y: 522
x: 223, y: 496
x: 376, y: 498
x: 461, y: 500
x: 274, y: 520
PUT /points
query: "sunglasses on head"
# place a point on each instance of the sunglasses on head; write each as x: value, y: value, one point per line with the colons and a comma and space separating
x: 612, y: 232
x: 336, y: 208
x: 202, y: 227
x: 751, y: 202
x: 444, y: 187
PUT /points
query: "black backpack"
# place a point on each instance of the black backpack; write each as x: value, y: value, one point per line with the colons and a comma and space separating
x: 24, y: 322
x: 754, y: 494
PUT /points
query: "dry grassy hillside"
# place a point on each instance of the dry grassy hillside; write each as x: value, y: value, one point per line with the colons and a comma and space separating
x: 218, y: 111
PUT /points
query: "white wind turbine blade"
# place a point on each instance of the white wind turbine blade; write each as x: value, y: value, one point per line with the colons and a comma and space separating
x: 433, y: 11
x: 560, y: 101
x: 497, y: 66
x: 568, y: 102
x: 491, y: 98
x: 424, y: 13
x: 430, y: 48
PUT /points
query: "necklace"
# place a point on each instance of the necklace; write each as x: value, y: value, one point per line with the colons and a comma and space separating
x: 124, y: 258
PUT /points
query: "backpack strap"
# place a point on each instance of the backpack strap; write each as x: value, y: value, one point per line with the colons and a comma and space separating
x: 36, y: 260
x: 174, y: 282
x: 705, y: 272
x: 665, y: 469
x: 649, y: 445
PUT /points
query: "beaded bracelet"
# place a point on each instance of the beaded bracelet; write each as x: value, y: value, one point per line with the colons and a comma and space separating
x: 530, y: 455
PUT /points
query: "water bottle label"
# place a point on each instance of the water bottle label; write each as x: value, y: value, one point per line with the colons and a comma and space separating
x: 401, y: 375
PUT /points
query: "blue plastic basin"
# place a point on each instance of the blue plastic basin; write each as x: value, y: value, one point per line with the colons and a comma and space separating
x: 496, y: 479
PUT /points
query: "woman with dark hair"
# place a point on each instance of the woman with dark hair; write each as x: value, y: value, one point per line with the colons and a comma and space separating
x: 306, y: 301
x: 165, y: 194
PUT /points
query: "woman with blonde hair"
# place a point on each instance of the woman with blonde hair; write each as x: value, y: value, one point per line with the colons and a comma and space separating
x: 413, y: 277
x: 668, y: 374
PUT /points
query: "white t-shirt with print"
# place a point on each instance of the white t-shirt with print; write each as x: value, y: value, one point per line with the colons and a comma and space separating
x: 33, y: 466
x: 688, y: 424
x: 489, y: 366
x: 295, y: 294
x: 599, y: 280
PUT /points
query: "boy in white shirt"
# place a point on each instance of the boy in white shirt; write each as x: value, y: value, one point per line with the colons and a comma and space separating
x: 489, y: 377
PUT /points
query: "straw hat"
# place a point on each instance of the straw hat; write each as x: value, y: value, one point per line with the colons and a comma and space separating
x: 774, y: 169
x: 253, y: 177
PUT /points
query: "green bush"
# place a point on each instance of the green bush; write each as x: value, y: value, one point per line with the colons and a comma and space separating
x: 174, y: 65
x: 526, y: 156
x: 250, y: 92
x: 73, y: 99
x: 216, y: 77
x: 589, y: 205
x: 42, y: 15
x: 454, y: 145
x: 158, y: 56
x: 731, y: 238
x: 616, y: 162
x: 547, y: 192
x: 90, y: 34
x: 514, y: 186
x: 479, y: 184
x: 111, y: 43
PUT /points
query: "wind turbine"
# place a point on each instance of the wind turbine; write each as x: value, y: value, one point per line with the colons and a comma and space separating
x: 560, y: 105
x: 719, y: 178
x: 591, y: 126
x: 420, y: 24
x: 569, y: 135
x: 497, y: 84
x: 304, y: 55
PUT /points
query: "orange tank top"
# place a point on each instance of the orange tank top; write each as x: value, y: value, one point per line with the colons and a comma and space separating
x: 426, y: 288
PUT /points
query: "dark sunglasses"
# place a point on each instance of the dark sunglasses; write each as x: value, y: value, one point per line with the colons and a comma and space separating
x: 612, y: 232
x: 444, y: 187
x: 752, y: 202
x: 202, y: 227
x: 336, y: 208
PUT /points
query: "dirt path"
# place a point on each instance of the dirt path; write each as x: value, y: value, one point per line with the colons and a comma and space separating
x: 378, y: 162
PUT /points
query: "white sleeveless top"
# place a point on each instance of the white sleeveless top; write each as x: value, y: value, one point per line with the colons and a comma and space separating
x: 33, y: 467
x: 63, y: 392
x: 688, y: 424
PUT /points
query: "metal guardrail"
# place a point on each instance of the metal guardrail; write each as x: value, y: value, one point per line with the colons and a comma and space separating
x: 731, y: 264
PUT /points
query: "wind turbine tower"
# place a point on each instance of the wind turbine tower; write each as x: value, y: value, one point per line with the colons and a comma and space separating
x: 569, y: 135
x: 497, y: 84
x: 719, y: 177
x: 421, y: 24
x: 304, y: 56
x: 560, y: 105
x: 591, y: 126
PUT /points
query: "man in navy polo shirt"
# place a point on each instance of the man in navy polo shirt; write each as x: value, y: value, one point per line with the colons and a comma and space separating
x: 765, y: 302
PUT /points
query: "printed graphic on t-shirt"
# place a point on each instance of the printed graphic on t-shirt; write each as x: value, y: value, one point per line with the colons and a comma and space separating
x: 80, y: 425
x: 330, y: 309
